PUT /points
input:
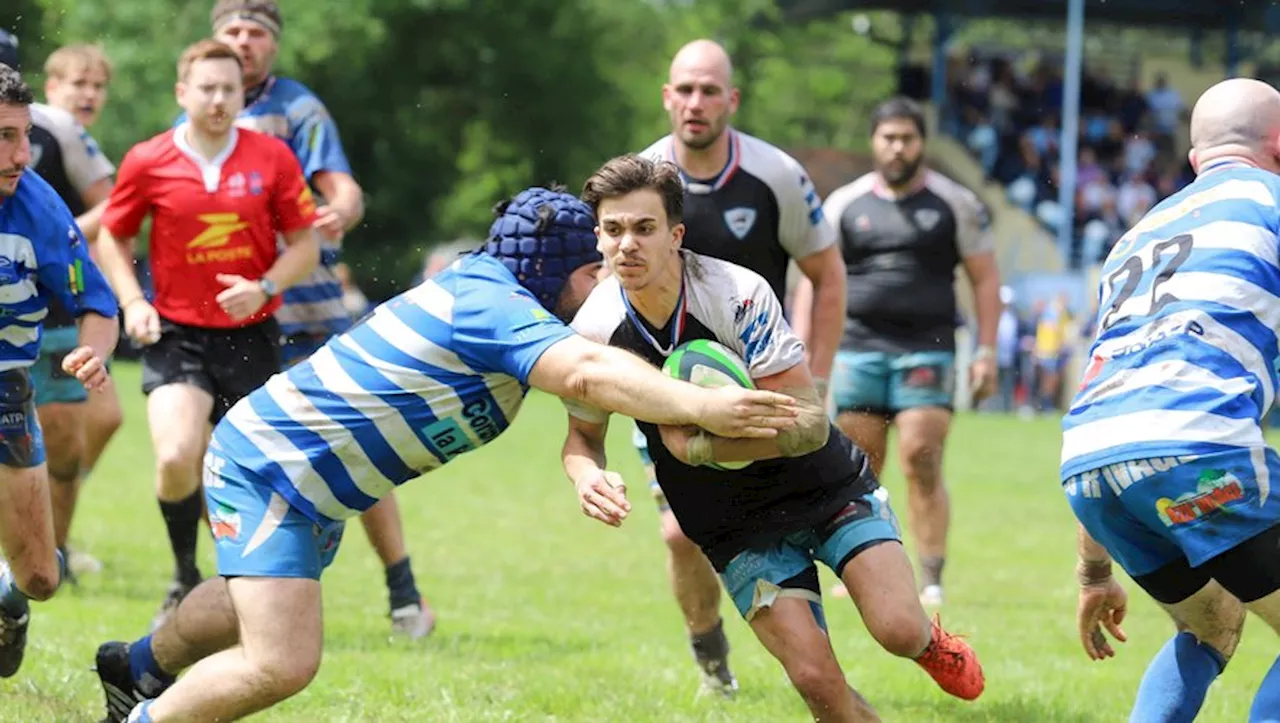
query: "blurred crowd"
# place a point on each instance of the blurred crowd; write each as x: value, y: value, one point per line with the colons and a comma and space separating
x: 1008, y: 114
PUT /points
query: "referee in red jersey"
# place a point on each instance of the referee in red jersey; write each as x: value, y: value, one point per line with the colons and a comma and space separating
x: 217, y: 196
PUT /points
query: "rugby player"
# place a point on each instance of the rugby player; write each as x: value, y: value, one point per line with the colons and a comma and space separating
x: 747, y: 202
x: 436, y: 372
x: 76, y: 425
x: 217, y: 197
x: 903, y: 230
x: 42, y: 255
x: 312, y: 311
x: 809, y: 495
x: 1163, y: 457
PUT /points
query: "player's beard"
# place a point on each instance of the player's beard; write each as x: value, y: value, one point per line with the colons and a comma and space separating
x: 707, y: 139
x: 901, y: 173
x: 10, y: 176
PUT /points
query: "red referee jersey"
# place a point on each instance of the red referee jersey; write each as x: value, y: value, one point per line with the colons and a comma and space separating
x: 208, y: 217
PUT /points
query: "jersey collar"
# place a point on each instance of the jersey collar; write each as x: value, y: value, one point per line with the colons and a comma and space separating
x: 881, y: 189
x: 703, y: 187
x: 254, y: 94
x: 210, y: 169
x: 1221, y: 164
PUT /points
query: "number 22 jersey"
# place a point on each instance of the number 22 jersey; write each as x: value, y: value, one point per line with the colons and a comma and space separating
x: 1185, y: 357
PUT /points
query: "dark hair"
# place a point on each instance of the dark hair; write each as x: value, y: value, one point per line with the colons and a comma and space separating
x: 207, y: 49
x: 626, y: 174
x: 13, y: 90
x: 899, y: 108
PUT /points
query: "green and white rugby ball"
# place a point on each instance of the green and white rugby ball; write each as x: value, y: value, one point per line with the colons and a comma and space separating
x: 709, y: 364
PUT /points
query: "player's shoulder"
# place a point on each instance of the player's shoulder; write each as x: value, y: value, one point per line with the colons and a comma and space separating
x: 713, y: 276
x: 159, y: 147
x: 768, y: 162
x: 659, y: 150
x: 853, y: 190
x: 602, y: 312
x: 256, y: 144
x: 299, y: 102
x: 954, y: 193
x: 55, y: 120
x: 36, y: 207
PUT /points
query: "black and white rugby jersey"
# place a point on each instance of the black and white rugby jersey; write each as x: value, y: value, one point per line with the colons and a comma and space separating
x: 901, y: 254
x: 725, y: 512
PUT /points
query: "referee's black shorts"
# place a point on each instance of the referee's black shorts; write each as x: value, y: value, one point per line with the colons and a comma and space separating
x: 226, y: 363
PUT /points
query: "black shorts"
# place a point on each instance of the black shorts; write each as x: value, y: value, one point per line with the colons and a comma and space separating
x: 1250, y: 571
x: 226, y: 363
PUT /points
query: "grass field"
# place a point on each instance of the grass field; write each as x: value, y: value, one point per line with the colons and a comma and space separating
x: 549, y: 616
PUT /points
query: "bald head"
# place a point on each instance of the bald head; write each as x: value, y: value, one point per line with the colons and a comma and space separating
x: 1237, y: 117
x: 703, y: 57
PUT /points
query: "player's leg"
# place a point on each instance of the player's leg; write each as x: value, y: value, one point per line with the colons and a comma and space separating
x: 411, y: 616
x: 921, y: 396
x: 860, y: 394
x: 776, y: 591
x: 696, y: 589
x: 862, y: 545
x: 281, y: 639
x: 32, y: 570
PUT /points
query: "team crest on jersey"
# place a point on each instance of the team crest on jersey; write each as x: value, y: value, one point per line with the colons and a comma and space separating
x: 740, y: 220
x: 255, y: 183
x: 235, y: 185
x: 862, y: 222
x: 927, y: 218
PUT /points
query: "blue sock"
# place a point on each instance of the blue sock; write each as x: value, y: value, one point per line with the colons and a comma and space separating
x: 13, y: 603
x: 1266, y: 704
x: 141, y: 713
x: 147, y: 674
x: 1176, y: 681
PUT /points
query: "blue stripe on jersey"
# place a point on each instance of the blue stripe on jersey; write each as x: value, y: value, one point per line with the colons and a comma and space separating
x: 1233, y: 210
x: 362, y: 429
x: 470, y: 389
x: 326, y: 463
x: 247, y: 455
x: 330, y: 256
x: 441, y: 333
x: 1228, y: 262
x: 1204, y: 399
x: 314, y: 293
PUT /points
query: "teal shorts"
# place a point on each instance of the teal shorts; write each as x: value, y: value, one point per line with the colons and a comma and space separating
x: 882, y: 383
x: 758, y: 577
x: 54, y: 386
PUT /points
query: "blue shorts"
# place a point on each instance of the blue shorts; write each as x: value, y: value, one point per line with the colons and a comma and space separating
x: 882, y: 383
x: 756, y: 578
x: 54, y: 386
x: 21, y: 443
x: 1152, y: 512
x: 257, y: 533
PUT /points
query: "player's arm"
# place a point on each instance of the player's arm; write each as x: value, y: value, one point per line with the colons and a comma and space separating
x: 343, y: 198
x: 601, y: 493
x: 89, y: 172
x: 318, y: 147
x: 121, y: 220
x: 615, y: 380
x: 301, y: 254
x: 1102, y: 601
x: 827, y: 289
x: 95, y: 199
x: 809, y: 433
x: 66, y: 271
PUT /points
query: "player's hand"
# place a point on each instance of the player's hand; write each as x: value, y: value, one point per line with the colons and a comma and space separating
x: 1101, y: 606
x: 242, y: 298
x: 142, y: 322
x: 738, y: 412
x: 330, y: 222
x: 84, y: 364
x: 983, y: 377
x: 603, y: 496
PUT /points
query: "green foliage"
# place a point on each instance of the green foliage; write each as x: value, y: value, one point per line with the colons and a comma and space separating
x: 446, y: 106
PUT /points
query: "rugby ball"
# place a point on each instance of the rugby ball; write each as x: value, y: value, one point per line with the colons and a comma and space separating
x: 709, y: 364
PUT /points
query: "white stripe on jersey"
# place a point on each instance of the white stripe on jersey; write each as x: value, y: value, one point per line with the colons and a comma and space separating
x: 1239, y: 190
x: 295, y: 464
x: 435, y: 300
x: 1177, y: 375
x: 389, y: 326
x: 1160, y: 424
x: 1237, y: 236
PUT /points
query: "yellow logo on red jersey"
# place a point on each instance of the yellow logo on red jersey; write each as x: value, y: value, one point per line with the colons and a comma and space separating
x: 306, y: 201
x: 206, y: 247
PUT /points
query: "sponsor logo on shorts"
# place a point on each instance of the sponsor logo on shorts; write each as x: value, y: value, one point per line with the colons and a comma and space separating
x: 225, y: 523
x: 1215, y: 490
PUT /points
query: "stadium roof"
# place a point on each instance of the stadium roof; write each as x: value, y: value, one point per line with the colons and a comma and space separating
x: 1207, y: 14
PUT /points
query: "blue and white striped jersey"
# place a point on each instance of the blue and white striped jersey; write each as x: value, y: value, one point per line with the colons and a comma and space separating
x: 43, y: 257
x: 435, y: 372
x: 1185, y: 359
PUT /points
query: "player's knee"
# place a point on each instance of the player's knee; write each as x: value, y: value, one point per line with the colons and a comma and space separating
x: 1220, y: 625
x: 900, y: 631
x: 38, y: 584
x: 674, y: 537
x: 922, y: 462
x: 106, y: 417
x: 177, y: 456
x: 288, y: 675
x: 820, y: 682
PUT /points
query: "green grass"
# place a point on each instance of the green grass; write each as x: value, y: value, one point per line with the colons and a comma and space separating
x: 549, y: 616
